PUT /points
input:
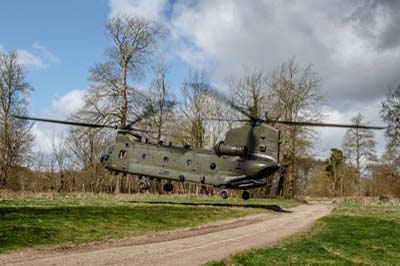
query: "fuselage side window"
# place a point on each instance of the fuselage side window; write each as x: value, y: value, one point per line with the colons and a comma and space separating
x: 166, y: 159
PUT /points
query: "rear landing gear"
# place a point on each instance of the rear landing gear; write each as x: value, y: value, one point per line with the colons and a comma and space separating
x: 224, y: 194
x: 168, y: 187
x: 245, y: 195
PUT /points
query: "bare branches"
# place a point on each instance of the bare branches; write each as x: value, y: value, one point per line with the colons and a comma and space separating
x: 359, y: 148
x: 110, y: 98
x: 160, y: 100
x: 250, y: 91
x: 294, y: 96
x: 134, y: 40
x: 15, y: 136
x: 194, y: 92
x: 391, y: 115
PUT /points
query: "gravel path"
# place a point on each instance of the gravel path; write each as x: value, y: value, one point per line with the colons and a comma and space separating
x: 193, y: 246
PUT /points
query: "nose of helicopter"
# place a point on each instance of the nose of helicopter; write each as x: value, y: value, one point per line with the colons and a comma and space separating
x: 260, y: 169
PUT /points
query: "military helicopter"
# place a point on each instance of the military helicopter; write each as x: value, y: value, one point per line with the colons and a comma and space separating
x: 247, y: 155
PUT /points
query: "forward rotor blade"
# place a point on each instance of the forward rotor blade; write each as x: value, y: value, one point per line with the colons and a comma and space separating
x: 149, y: 111
x: 315, y: 124
x: 81, y: 124
x: 142, y: 130
x: 163, y: 134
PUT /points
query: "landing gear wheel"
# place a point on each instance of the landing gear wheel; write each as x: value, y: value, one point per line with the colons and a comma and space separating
x: 144, y: 185
x: 224, y: 194
x: 245, y: 195
x: 168, y: 187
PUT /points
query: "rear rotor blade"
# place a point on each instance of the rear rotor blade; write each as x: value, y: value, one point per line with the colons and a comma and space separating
x: 81, y: 124
x: 223, y: 98
x: 293, y: 123
x: 226, y: 120
x: 316, y: 124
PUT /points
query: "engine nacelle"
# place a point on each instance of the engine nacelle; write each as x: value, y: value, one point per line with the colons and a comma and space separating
x: 225, y: 149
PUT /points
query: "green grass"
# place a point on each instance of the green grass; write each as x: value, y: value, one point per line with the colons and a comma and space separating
x: 74, y: 219
x: 123, y: 200
x: 354, y: 234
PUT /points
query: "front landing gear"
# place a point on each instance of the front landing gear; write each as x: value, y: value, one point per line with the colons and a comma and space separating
x: 144, y: 185
x: 224, y: 194
x: 245, y: 195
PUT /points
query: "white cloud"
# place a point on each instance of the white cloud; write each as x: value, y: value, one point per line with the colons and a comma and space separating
x: 69, y: 103
x: 265, y: 33
x: 332, y: 137
x: 62, y: 108
x: 38, y: 58
x: 149, y: 9
x: 348, y: 42
x: 46, y: 54
x: 43, y: 137
x: 30, y: 60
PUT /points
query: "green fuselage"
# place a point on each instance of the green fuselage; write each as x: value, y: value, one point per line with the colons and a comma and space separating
x: 130, y: 155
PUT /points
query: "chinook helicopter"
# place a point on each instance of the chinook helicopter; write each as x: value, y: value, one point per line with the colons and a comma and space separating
x: 247, y: 155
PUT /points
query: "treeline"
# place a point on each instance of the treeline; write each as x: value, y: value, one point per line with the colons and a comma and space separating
x: 290, y: 92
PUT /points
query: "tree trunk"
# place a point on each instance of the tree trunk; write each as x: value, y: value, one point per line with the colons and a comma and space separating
x: 124, y: 107
x: 117, y: 189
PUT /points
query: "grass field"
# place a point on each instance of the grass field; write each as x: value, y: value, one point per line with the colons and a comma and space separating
x: 353, y: 234
x: 65, y: 220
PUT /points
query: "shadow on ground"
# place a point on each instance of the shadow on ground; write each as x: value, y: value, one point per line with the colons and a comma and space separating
x: 272, y: 207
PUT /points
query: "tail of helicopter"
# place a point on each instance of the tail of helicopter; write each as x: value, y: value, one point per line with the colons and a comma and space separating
x: 257, y: 140
x: 258, y: 145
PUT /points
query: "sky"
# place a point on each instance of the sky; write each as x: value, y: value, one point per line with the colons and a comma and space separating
x: 354, y: 46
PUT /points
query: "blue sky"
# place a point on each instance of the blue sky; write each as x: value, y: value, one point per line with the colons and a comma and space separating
x: 73, y: 31
x: 353, y: 45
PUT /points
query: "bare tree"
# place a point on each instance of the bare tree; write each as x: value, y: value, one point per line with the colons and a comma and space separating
x: 358, y: 145
x: 110, y: 98
x: 194, y: 92
x: 391, y: 115
x: 385, y: 179
x: 250, y: 91
x: 61, y: 156
x: 15, y: 136
x: 160, y: 99
x: 214, y: 130
x: 294, y: 96
x: 86, y: 144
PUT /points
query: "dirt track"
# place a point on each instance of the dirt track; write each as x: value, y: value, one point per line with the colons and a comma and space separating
x: 181, y: 247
